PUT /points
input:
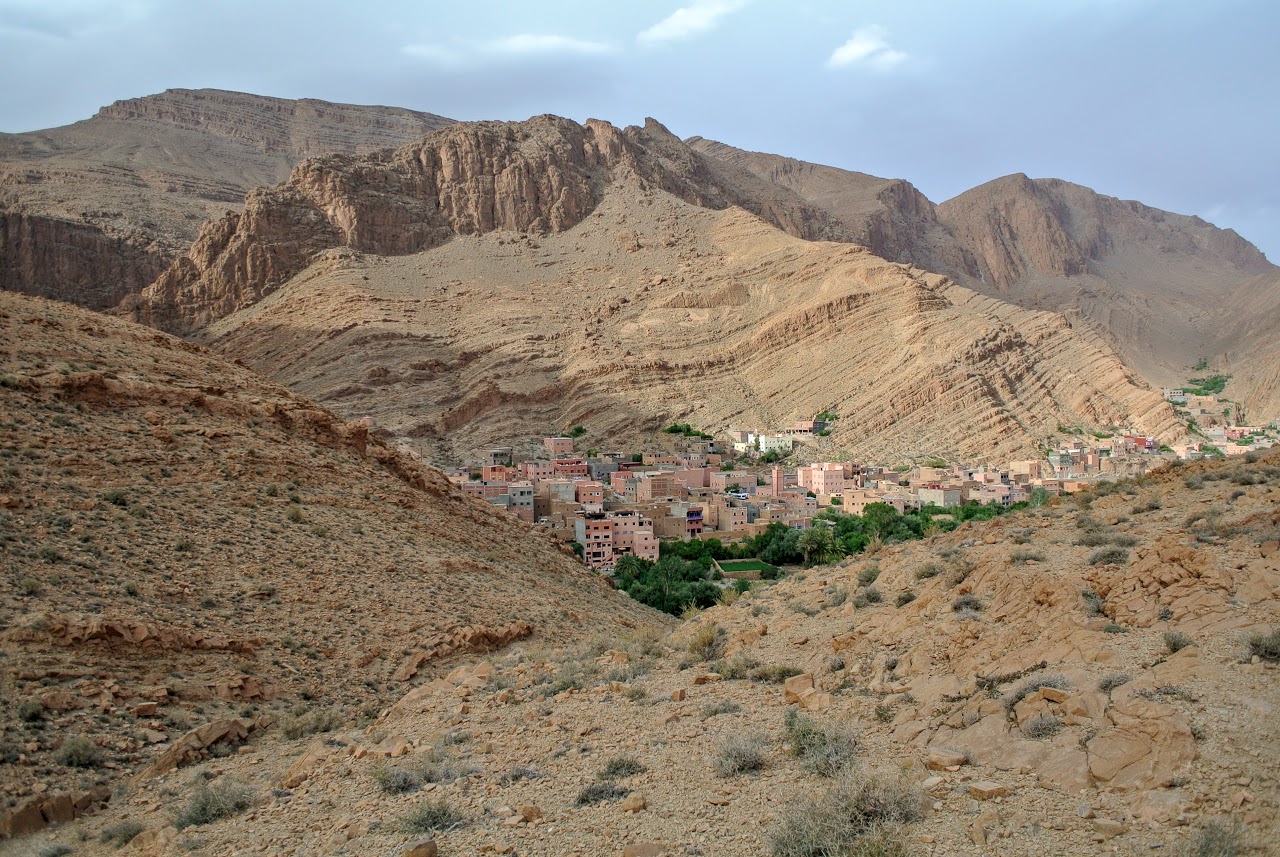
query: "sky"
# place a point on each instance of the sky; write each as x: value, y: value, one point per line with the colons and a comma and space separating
x: 1173, y: 103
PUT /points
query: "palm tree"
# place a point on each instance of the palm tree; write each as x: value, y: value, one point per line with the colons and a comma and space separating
x: 816, y: 544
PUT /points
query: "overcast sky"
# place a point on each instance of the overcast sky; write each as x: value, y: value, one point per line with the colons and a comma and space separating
x: 1173, y: 103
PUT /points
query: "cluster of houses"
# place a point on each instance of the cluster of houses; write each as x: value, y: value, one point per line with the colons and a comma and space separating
x: 619, y: 504
x: 1218, y: 423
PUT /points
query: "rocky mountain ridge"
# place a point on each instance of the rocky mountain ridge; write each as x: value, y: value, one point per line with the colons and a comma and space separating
x: 94, y: 211
x: 1163, y: 289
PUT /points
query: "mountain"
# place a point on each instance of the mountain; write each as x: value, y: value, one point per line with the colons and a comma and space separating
x: 1009, y: 688
x: 1163, y: 289
x: 188, y: 545
x: 502, y: 280
x: 94, y: 211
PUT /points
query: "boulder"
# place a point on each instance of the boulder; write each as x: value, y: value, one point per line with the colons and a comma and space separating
x: 793, y: 687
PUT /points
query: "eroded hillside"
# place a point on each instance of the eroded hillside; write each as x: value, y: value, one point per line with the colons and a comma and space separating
x: 186, y: 543
x: 652, y: 310
x: 1094, y: 676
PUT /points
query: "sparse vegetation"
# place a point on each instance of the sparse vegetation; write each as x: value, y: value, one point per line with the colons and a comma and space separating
x: 1109, y: 556
x: 857, y: 815
x: 739, y: 754
x: 302, y: 723
x: 1044, y: 726
x: 1023, y: 557
x: 211, y: 803
x: 1053, y: 680
x: 1176, y: 641
x: 601, y: 792
x: 397, y: 781
x: 1093, y: 604
x: 708, y: 642
x: 121, y: 834
x: 823, y: 748
x: 1215, y: 839
x: 432, y: 816
x: 967, y: 602
x: 1265, y: 646
x: 1110, y: 682
x: 715, y: 709
x: 79, y: 752
x: 620, y: 767
x: 928, y: 570
x: 905, y: 598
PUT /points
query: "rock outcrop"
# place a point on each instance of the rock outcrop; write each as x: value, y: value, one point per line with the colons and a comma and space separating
x: 541, y: 176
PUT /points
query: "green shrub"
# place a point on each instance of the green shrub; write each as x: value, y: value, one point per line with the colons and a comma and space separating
x: 928, y: 570
x: 1113, y: 628
x: 872, y: 595
x: 773, y: 673
x: 1114, y: 680
x: 121, y: 834
x: 715, y: 709
x: 211, y: 803
x: 1176, y: 641
x: 1109, y: 556
x: 739, y: 754
x: 79, y: 752
x: 708, y: 642
x: 432, y: 816
x: 30, y: 711
x: 1022, y: 557
x: 309, y: 723
x: 905, y: 598
x: 620, y: 767
x: 1093, y: 604
x: 823, y: 748
x: 857, y: 815
x: 601, y: 792
x: 1265, y: 646
x: 868, y: 575
x: 967, y: 602
x: 397, y: 781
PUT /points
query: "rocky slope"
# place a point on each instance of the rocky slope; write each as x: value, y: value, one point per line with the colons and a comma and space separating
x: 190, y: 547
x: 652, y: 310
x: 1006, y: 691
x: 1163, y: 289
x: 94, y: 211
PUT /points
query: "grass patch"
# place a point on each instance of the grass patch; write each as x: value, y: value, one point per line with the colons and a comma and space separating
x: 967, y: 602
x: 1109, y: 556
x: 708, y: 642
x: 905, y: 598
x: 397, y: 781
x: 715, y: 709
x: 1044, y: 726
x: 1024, y: 557
x: 300, y: 725
x: 1215, y: 839
x: 1114, y: 680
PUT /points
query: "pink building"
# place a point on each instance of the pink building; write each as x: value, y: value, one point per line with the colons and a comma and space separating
x: 537, y: 470
x: 590, y: 492
x: 558, y: 447
x: 571, y: 468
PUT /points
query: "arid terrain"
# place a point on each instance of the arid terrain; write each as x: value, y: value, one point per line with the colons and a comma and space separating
x: 185, y: 543
x: 94, y: 211
x: 1094, y: 676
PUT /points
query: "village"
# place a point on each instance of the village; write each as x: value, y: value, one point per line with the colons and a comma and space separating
x: 731, y: 488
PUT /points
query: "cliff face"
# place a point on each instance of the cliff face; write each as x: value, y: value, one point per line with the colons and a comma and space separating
x: 74, y: 262
x: 542, y: 176
x: 95, y: 211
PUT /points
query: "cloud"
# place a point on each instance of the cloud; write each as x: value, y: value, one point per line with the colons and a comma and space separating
x: 519, y: 45
x: 696, y: 18
x: 68, y: 19
x: 868, y: 46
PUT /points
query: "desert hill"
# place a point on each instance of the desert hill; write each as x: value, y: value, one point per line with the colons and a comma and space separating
x: 189, y: 546
x: 1163, y: 289
x: 498, y: 281
x: 1094, y: 676
x: 96, y: 210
